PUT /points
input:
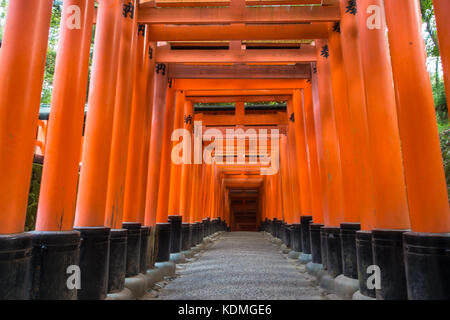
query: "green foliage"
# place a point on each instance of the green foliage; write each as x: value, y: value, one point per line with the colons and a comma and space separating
x: 445, y: 147
x: 53, y: 38
x: 33, y: 197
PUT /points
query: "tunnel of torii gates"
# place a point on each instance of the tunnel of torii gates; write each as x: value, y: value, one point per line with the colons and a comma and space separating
x: 360, y: 183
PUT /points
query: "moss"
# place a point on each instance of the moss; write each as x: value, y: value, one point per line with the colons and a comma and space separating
x: 33, y: 197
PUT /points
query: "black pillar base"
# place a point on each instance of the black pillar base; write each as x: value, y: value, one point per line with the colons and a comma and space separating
x: 214, y: 224
x: 205, y: 227
x: 117, y: 260
x: 163, y: 230
x: 306, y: 241
x: 53, y: 253
x: 427, y: 262
x: 15, y: 262
x: 348, y: 249
x: 387, y: 248
x: 199, y: 233
x: 316, y: 248
x: 278, y: 229
x: 133, y: 247
x: 287, y: 235
x: 145, y: 234
x: 323, y: 247
x: 175, y: 233
x: 334, y: 255
x: 94, y: 260
x: 296, y: 237
x: 364, y: 259
x: 186, y: 236
x: 273, y: 230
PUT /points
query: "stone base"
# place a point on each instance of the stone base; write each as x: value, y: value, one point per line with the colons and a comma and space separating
x: 153, y: 276
x: 167, y: 268
x: 137, y: 285
x: 293, y: 255
x: 313, y: 268
x: 177, y: 258
x: 125, y: 294
x: 345, y: 287
x: 277, y: 241
x: 188, y: 253
x: 305, y: 258
x: 285, y: 249
x: 327, y: 283
x: 359, y: 296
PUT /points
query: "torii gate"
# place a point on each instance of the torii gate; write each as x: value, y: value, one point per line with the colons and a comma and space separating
x: 359, y: 151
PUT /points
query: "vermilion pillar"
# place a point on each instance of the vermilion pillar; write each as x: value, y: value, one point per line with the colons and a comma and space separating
x: 57, y: 197
x: 343, y: 127
x: 313, y: 138
x: 121, y: 127
x: 186, y: 171
x: 386, y: 158
x: 166, y: 161
x: 302, y: 153
x: 154, y: 160
x: 91, y: 202
x: 92, y: 188
x: 331, y: 172
x: 175, y: 171
x: 441, y: 9
x: 329, y: 157
x: 140, y: 125
x: 351, y: 57
x: 425, y: 178
x: 22, y: 60
x: 63, y: 147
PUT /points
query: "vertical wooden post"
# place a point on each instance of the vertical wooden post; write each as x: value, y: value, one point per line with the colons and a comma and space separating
x: 22, y: 60
x: 302, y: 153
x: 130, y: 36
x: 154, y: 159
x: 91, y: 201
x: 57, y: 197
x: 425, y: 178
x: 386, y: 159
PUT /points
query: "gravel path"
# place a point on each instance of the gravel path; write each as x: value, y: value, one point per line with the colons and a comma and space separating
x: 241, y: 265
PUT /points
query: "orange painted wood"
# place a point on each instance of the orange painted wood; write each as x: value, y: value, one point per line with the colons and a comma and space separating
x: 160, y: 32
x: 91, y: 201
x: 441, y: 10
x: 154, y: 158
x: 228, y: 15
x: 389, y: 182
x: 121, y: 128
x: 311, y: 139
x: 137, y: 163
x: 343, y: 128
x: 293, y: 171
x: 305, y: 54
x: 164, y: 174
x: 302, y: 152
x: 237, y: 84
x: 358, y: 118
x: 424, y: 172
x: 187, y: 169
x: 176, y: 169
x: 22, y: 61
x: 57, y: 196
x: 329, y: 157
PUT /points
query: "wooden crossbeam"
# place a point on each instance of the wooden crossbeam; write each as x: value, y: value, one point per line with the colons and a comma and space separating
x: 227, y: 15
x: 160, y: 32
x: 215, y: 3
x: 240, y: 71
x: 237, y: 84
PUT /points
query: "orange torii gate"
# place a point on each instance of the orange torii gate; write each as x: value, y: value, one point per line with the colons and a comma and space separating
x: 360, y: 182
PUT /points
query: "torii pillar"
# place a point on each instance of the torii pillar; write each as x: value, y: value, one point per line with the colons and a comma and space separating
x: 427, y: 267
x: 22, y: 61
